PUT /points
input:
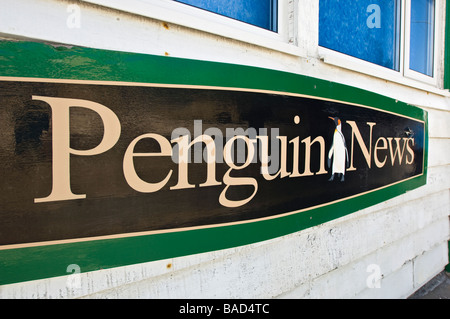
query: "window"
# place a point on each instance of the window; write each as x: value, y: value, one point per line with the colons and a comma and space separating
x: 261, y: 13
x: 356, y: 29
x: 422, y: 41
x: 420, y: 28
x: 395, y: 34
x: 264, y: 23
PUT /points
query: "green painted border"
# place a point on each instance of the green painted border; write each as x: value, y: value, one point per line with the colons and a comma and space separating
x: 36, y: 60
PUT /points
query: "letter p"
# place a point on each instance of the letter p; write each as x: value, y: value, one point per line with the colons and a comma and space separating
x: 61, y: 142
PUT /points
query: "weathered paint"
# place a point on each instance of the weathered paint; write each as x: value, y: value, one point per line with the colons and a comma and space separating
x: 447, y: 47
x: 97, y: 65
x: 447, y: 268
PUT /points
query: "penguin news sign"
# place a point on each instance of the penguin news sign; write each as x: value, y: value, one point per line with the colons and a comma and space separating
x: 129, y: 161
x: 276, y: 156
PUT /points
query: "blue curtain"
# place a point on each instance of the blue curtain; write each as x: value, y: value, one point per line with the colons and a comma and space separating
x: 365, y: 29
x: 261, y: 13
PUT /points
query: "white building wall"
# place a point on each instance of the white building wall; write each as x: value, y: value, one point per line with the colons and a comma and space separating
x: 400, y: 243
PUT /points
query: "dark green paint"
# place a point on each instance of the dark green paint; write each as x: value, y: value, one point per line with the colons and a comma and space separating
x: 26, y: 59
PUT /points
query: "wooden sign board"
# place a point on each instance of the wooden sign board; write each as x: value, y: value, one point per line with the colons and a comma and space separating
x: 110, y: 159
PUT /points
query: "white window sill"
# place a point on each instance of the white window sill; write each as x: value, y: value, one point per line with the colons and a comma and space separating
x: 350, y: 63
x: 194, y: 18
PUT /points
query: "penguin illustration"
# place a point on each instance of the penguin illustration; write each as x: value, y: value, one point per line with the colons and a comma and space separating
x: 338, y: 151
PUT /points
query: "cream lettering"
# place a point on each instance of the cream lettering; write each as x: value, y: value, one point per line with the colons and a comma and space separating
x: 367, y: 153
x: 399, y: 151
x: 237, y: 181
x: 378, y: 147
x: 292, y: 158
x: 61, y: 142
x: 129, y: 171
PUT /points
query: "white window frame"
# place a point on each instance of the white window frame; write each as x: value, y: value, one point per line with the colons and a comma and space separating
x: 195, y: 18
x: 409, y: 72
x: 405, y: 75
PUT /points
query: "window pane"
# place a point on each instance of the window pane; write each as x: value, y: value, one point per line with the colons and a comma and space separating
x: 422, y: 36
x: 362, y: 29
x: 261, y: 13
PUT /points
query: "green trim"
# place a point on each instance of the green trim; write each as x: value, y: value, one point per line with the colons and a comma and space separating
x: 28, y: 263
x: 25, y: 59
x: 36, y: 60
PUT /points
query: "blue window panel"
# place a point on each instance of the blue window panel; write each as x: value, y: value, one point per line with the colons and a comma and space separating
x: 422, y: 36
x: 365, y: 29
x: 261, y: 13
